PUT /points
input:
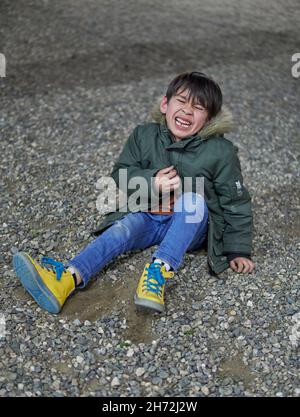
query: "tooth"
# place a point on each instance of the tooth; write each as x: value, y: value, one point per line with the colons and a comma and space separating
x: 183, y: 122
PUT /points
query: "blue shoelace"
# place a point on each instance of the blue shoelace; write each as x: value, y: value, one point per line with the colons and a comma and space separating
x: 154, y: 274
x: 52, y: 265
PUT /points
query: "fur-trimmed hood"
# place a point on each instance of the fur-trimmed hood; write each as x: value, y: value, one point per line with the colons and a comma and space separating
x: 222, y: 123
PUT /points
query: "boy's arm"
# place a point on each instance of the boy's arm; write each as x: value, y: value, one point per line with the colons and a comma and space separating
x: 130, y: 159
x: 236, y: 204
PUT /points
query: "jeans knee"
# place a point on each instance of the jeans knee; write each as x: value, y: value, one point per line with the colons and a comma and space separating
x: 120, y: 230
x: 193, y: 206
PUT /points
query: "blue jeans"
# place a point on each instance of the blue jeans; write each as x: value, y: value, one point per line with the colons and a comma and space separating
x: 183, y: 230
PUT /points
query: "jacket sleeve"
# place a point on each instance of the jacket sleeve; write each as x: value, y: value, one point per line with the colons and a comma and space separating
x: 235, y: 201
x: 131, y: 160
x: 231, y: 256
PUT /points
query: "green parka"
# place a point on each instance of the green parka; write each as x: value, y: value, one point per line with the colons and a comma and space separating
x: 208, y: 154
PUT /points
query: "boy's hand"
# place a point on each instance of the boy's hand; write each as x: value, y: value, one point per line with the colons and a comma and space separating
x: 243, y: 265
x: 166, y: 180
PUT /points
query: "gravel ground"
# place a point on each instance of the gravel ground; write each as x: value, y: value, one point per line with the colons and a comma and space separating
x: 80, y: 76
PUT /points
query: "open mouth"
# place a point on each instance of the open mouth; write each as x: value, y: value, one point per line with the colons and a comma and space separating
x: 182, y: 123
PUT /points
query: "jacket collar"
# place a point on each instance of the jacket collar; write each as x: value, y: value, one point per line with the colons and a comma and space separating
x: 169, y: 139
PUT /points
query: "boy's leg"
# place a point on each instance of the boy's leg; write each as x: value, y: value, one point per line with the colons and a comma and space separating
x: 134, y: 231
x: 187, y: 229
x: 50, y: 283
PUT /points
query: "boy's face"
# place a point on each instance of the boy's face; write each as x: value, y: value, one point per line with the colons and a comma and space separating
x: 183, y: 117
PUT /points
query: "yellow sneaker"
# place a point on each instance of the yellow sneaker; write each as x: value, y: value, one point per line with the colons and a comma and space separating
x: 151, y: 287
x: 49, y: 283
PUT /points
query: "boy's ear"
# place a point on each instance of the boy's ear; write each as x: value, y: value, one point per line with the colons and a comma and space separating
x: 163, y: 105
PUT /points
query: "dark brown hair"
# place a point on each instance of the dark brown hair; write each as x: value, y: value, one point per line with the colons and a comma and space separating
x: 201, y: 89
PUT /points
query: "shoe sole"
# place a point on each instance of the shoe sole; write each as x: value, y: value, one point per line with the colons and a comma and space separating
x: 148, y: 304
x: 32, y: 282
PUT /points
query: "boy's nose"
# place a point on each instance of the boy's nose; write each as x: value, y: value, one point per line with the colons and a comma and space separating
x: 187, y: 109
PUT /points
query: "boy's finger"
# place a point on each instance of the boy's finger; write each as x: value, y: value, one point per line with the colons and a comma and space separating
x: 174, y: 187
x: 171, y: 174
x: 233, y: 265
x: 240, y: 267
x: 166, y: 170
x: 174, y: 180
x: 251, y: 267
x: 246, y: 267
x: 177, y: 185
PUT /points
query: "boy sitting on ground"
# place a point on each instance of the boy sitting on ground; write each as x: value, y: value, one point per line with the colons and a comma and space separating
x: 186, y: 140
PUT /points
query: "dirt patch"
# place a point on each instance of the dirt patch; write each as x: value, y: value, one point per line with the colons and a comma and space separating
x: 139, y: 325
x: 104, y: 297
x: 92, y: 386
x: 98, y: 300
x: 21, y: 294
x: 62, y: 367
x: 236, y: 369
